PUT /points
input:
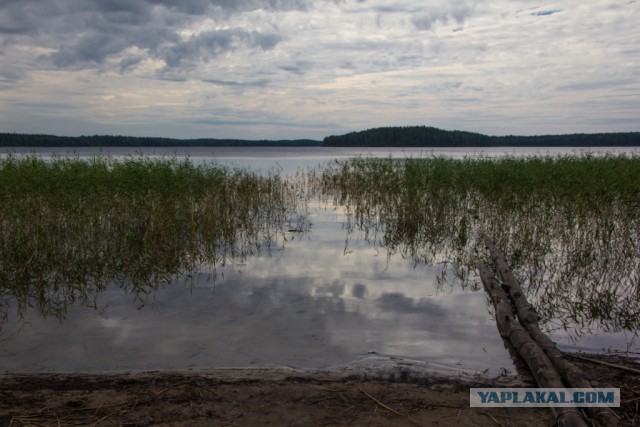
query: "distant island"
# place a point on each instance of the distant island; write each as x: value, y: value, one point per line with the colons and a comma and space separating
x: 425, y: 136
x: 407, y: 136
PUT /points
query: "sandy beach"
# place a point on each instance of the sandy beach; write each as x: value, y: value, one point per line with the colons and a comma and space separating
x: 275, y: 396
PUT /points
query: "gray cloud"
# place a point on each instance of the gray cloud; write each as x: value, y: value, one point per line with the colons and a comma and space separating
x: 200, y: 7
x: 95, y: 48
x: 234, y: 83
x: 128, y: 12
x: 9, y: 77
x: 207, y: 45
x: 90, y: 48
x: 252, y: 122
x: 591, y: 85
x: 85, y: 33
x: 299, y: 67
x: 546, y: 12
x: 129, y: 63
x: 391, y: 8
x: 426, y: 19
x: 353, y: 64
x: 192, y: 7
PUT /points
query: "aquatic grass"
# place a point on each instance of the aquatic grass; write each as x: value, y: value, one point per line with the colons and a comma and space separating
x: 71, y: 227
x: 570, y: 225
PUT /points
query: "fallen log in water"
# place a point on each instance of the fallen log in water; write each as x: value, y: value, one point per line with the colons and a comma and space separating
x: 538, y: 362
x: 570, y: 373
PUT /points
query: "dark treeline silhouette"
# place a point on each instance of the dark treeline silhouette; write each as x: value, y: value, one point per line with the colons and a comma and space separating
x: 424, y: 136
x: 408, y: 136
x: 617, y: 139
x: 29, y: 140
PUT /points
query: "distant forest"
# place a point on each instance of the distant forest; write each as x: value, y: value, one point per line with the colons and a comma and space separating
x: 410, y: 136
x: 28, y: 140
x: 424, y: 136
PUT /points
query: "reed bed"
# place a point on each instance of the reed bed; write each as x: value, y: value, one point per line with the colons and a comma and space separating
x: 569, y: 225
x: 70, y: 227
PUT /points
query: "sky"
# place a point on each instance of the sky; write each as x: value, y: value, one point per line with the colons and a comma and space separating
x: 289, y: 69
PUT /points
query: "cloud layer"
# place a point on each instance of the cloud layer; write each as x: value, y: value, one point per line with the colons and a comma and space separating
x: 302, y: 68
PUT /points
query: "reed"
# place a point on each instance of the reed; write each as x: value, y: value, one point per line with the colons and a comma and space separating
x: 570, y: 225
x: 70, y: 227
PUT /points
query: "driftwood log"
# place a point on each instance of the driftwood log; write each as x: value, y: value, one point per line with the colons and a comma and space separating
x: 537, y: 361
x: 570, y: 373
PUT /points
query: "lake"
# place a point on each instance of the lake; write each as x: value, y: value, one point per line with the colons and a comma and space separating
x: 320, y: 299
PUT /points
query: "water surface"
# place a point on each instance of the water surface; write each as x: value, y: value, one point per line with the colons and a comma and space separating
x: 312, y: 301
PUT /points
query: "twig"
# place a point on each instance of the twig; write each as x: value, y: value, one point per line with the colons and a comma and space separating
x: 389, y: 408
x: 31, y: 421
x: 443, y: 405
x: 613, y: 365
x: 104, y: 418
x: 348, y: 409
x: 174, y: 386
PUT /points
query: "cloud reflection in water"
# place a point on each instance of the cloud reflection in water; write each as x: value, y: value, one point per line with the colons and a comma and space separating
x: 308, y: 306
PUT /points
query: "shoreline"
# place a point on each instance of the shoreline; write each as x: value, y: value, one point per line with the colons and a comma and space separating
x: 400, y: 395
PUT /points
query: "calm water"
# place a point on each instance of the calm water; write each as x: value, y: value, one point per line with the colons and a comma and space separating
x: 307, y: 304
x: 289, y: 159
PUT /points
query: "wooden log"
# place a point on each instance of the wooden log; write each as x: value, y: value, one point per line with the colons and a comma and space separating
x: 538, y: 362
x: 570, y: 373
x: 526, y: 312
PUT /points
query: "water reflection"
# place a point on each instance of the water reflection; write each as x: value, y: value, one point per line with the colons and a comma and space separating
x: 308, y: 306
x: 570, y: 227
x: 270, y: 276
x: 70, y: 228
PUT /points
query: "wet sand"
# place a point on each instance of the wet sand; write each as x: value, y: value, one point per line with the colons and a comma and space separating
x: 372, y: 397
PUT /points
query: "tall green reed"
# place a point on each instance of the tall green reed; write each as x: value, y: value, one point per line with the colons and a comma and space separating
x: 70, y: 227
x: 569, y: 225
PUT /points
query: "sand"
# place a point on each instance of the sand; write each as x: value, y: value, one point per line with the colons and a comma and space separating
x: 275, y: 396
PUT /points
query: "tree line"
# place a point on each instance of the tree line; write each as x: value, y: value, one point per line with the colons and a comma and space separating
x: 425, y: 136
x: 41, y: 140
x: 408, y: 136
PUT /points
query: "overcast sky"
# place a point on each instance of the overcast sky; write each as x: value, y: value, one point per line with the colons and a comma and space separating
x: 311, y: 68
